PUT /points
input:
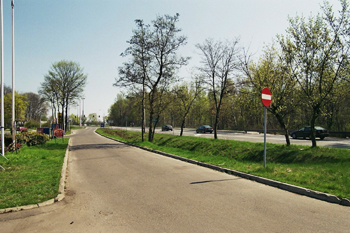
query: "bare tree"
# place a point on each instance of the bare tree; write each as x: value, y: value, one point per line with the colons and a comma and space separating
x: 154, y: 62
x: 220, y: 60
x: 36, y: 108
x: 186, y: 96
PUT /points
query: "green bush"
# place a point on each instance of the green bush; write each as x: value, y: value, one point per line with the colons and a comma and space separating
x: 11, y: 148
x: 32, y: 124
x: 46, y: 124
x: 32, y: 138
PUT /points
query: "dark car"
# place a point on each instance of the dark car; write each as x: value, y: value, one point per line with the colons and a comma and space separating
x: 204, y: 129
x: 305, y: 132
x: 167, y: 127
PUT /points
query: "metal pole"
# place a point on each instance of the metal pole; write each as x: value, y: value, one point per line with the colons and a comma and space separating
x: 78, y: 113
x: 83, y: 110
x: 68, y: 119
x: 13, y: 77
x: 2, y: 80
x: 264, y: 136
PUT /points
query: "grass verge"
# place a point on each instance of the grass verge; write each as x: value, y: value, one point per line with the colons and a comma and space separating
x: 321, y: 169
x: 68, y: 132
x: 32, y: 175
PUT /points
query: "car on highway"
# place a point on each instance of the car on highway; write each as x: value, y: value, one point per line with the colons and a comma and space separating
x: 167, y: 127
x: 22, y: 129
x: 204, y: 129
x: 305, y: 132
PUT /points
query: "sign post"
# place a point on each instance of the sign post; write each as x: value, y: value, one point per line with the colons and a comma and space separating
x: 266, y: 100
x: 59, y: 133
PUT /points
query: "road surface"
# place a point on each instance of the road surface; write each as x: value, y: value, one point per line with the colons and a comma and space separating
x: 112, y: 187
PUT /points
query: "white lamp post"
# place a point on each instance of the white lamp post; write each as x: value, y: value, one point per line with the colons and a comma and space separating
x: 13, y: 77
x: 2, y: 81
x: 83, y: 110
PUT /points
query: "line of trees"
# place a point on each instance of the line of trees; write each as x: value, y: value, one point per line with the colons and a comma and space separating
x: 307, y: 71
x: 62, y: 86
x: 29, y: 107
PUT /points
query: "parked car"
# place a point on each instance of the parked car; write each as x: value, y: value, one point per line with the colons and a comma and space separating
x: 305, y: 132
x: 167, y: 127
x: 204, y: 129
x: 22, y: 129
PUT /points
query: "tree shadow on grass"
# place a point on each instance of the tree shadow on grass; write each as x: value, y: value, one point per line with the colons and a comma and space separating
x: 48, y: 146
x: 290, y: 156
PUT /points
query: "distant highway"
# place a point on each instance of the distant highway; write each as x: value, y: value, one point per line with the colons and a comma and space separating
x: 254, y: 137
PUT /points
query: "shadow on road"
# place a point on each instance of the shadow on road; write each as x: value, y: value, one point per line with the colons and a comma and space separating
x: 97, y: 146
x: 209, y: 181
x: 340, y: 145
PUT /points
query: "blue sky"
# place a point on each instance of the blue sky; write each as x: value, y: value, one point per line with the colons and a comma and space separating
x: 93, y: 33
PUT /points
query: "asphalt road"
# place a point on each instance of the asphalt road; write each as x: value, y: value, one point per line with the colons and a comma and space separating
x: 256, y: 137
x: 112, y: 187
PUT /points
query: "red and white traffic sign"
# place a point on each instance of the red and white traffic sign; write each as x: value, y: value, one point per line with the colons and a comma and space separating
x: 266, y: 96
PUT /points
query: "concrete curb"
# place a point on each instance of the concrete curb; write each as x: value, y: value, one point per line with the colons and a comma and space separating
x: 284, y: 186
x: 61, y: 188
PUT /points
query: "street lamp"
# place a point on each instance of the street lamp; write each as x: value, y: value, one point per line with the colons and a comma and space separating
x: 83, y: 110
x: 13, y: 78
x: 2, y: 81
x: 79, y: 114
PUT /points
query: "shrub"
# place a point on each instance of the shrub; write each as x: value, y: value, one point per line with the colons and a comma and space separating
x: 32, y: 124
x: 11, y: 148
x: 32, y: 138
x: 46, y: 124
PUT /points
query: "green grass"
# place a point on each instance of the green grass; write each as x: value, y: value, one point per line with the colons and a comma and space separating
x: 68, y: 132
x: 77, y: 127
x: 32, y: 175
x: 321, y: 169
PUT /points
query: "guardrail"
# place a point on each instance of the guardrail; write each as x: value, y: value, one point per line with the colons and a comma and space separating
x: 340, y: 134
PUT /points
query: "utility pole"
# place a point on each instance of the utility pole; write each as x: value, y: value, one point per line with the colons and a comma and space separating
x: 2, y: 81
x: 13, y: 77
x: 83, y: 112
x: 79, y: 114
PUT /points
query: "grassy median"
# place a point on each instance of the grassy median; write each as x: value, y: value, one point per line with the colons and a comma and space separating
x: 320, y: 169
x: 32, y: 175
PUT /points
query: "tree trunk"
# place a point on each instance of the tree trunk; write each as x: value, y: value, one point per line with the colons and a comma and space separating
x: 217, y: 114
x: 63, y: 126
x: 66, y: 115
x: 283, y: 125
x: 150, y: 128
x: 184, y: 119
x: 154, y: 127
x: 52, y: 110
x: 313, y: 138
x: 216, y: 125
x: 182, y: 126
x: 143, y: 125
x: 315, y: 114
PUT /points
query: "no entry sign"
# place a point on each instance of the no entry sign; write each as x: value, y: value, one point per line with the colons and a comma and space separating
x: 266, y: 96
x: 266, y: 100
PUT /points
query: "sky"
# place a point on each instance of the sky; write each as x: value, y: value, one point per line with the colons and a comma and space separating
x: 94, y: 33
